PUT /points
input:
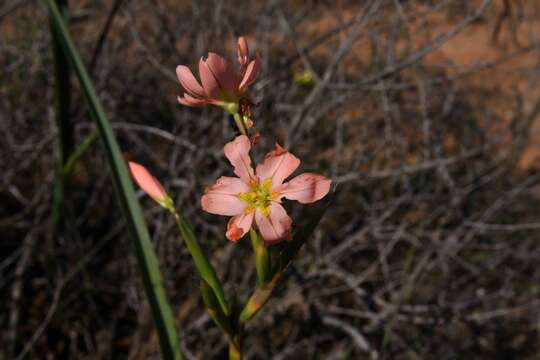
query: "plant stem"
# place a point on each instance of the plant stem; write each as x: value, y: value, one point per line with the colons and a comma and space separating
x: 262, y: 258
x: 240, y: 123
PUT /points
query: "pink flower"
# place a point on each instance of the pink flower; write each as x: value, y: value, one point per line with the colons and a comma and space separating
x: 150, y: 185
x: 255, y: 196
x: 220, y: 84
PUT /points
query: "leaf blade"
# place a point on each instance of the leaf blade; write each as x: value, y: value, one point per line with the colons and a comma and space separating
x: 147, y: 260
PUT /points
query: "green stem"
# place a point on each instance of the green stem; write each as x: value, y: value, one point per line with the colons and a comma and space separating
x: 240, y: 123
x: 262, y: 258
x: 203, y: 266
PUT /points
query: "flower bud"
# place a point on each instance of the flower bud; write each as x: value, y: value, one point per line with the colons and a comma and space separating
x: 150, y: 185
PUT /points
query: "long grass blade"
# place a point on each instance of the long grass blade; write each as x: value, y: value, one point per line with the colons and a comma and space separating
x: 78, y: 152
x: 65, y: 140
x: 146, y: 256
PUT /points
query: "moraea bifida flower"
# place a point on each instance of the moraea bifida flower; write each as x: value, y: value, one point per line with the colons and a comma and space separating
x: 220, y: 84
x: 254, y: 197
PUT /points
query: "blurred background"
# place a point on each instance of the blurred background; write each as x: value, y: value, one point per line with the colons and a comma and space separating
x: 426, y: 113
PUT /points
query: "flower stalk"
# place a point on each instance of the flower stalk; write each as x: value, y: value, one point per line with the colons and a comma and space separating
x: 262, y: 257
x: 240, y: 123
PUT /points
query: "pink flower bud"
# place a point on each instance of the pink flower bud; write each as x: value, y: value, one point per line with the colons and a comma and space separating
x: 149, y: 184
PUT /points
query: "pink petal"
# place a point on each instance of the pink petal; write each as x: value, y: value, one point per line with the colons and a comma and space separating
x: 223, y: 72
x: 222, y: 204
x: 147, y: 182
x: 188, y: 81
x: 275, y: 227
x: 239, y: 225
x: 242, y: 51
x: 305, y: 188
x: 277, y: 165
x: 191, y: 101
x: 208, y: 80
x: 237, y: 151
x: 228, y: 186
x: 252, y: 72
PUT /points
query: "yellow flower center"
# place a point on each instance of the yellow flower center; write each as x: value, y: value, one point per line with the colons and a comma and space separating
x: 259, y: 197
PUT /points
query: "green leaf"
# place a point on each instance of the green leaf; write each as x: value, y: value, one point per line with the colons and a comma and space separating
x: 259, y: 297
x: 79, y: 151
x: 65, y: 140
x: 214, y: 309
x: 146, y: 256
x: 203, y: 266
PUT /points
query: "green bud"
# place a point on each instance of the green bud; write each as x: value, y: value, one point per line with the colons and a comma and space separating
x: 304, y: 78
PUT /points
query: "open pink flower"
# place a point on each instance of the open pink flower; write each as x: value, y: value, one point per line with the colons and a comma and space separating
x: 255, y: 196
x: 220, y: 83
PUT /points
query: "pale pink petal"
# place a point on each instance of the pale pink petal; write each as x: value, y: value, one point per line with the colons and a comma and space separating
x: 228, y: 186
x: 305, y: 188
x: 208, y: 80
x: 222, y: 204
x: 252, y: 72
x: 188, y: 81
x: 277, y: 165
x: 147, y: 182
x: 189, y: 100
x: 237, y: 151
x: 239, y: 225
x: 276, y: 226
x: 242, y: 51
x: 223, y: 72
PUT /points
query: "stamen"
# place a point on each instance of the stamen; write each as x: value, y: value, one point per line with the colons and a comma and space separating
x: 259, y: 197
